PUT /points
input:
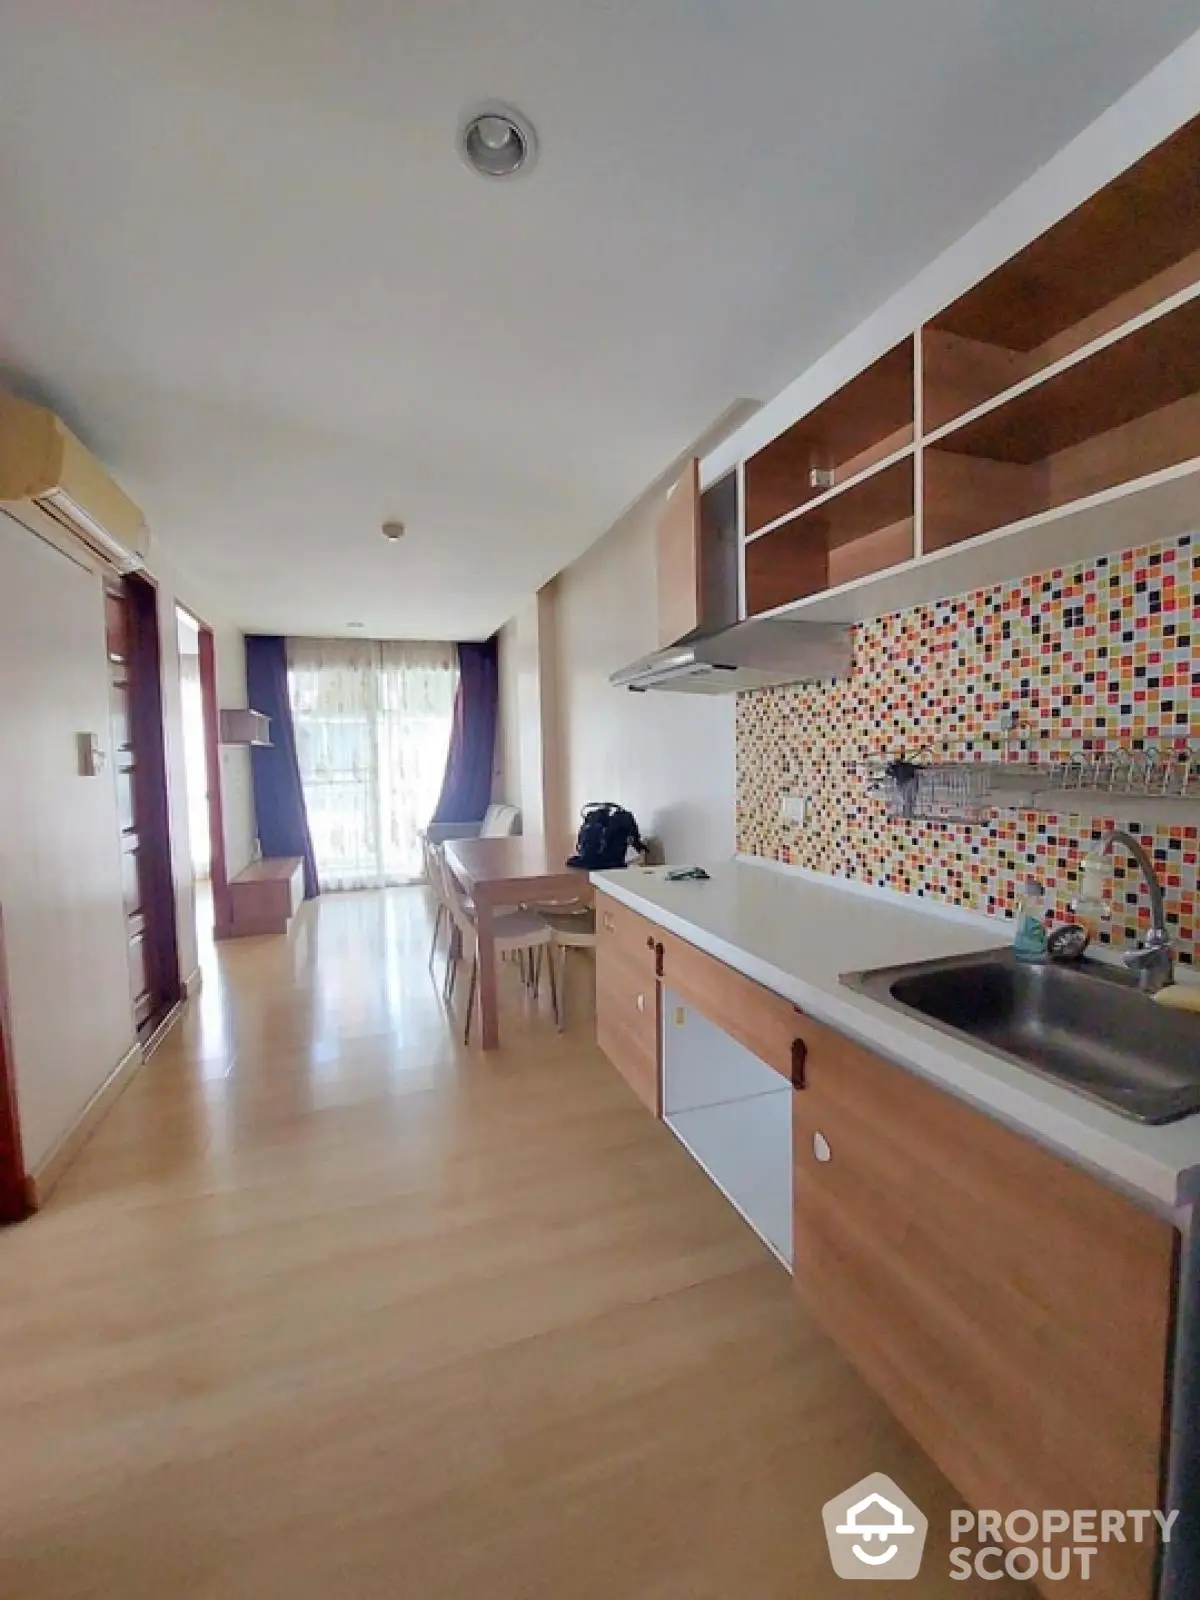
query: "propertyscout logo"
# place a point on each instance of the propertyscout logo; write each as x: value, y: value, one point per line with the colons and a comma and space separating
x: 876, y: 1532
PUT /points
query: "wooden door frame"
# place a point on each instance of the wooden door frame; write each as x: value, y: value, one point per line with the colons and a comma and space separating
x: 14, y: 1192
x: 210, y: 707
x: 154, y: 819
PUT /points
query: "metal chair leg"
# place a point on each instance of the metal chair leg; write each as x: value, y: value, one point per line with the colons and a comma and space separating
x: 553, y: 988
x: 471, y: 996
x: 437, y: 933
x: 560, y: 1006
x: 535, y: 963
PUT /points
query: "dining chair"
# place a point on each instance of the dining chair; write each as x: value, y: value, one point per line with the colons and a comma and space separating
x: 500, y: 821
x: 521, y: 931
x: 572, y: 928
x: 432, y: 854
x: 444, y: 881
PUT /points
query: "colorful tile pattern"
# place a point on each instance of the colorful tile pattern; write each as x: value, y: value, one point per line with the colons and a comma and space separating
x: 1092, y: 657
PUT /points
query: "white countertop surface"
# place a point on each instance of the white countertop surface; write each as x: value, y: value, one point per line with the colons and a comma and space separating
x: 796, y: 934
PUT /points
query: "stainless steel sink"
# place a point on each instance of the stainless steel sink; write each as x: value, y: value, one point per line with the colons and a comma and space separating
x: 1087, y: 1027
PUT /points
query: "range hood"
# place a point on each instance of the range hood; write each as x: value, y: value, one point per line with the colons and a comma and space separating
x: 749, y: 655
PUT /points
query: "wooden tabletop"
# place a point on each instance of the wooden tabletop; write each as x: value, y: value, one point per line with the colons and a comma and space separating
x: 489, y: 863
x: 505, y: 872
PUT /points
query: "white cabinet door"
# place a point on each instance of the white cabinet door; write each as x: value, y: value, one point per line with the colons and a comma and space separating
x: 734, y: 1114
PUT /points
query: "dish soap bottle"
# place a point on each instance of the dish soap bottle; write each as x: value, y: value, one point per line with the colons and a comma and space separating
x: 1090, y: 908
x: 1030, y: 942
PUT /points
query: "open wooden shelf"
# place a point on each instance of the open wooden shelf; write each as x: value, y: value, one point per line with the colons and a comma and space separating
x: 1130, y: 410
x: 1142, y: 512
x: 868, y: 420
x: 1057, y: 420
x: 865, y: 529
x: 1132, y: 245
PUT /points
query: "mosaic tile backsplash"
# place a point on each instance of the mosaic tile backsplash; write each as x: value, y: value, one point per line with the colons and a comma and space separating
x: 1096, y: 656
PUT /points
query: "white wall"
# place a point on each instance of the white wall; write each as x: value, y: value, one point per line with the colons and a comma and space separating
x: 236, y: 797
x: 526, y: 669
x: 237, y: 789
x: 529, y: 761
x: 668, y: 757
x: 60, y: 883
x: 506, y: 778
x: 60, y: 868
x: 521, y: 742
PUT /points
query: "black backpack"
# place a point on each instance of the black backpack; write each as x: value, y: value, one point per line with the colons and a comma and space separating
x: 605, y: 835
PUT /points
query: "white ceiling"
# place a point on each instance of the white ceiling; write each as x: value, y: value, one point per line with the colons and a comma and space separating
x: 240, y: 255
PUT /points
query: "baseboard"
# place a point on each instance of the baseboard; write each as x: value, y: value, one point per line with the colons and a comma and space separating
x: 192, y: 985
x: 40, y: 1184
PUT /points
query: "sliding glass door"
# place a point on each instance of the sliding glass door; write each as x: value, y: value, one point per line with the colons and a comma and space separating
x: 373, y: 724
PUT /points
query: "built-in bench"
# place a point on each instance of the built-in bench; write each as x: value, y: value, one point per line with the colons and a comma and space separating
x: 266, y: 896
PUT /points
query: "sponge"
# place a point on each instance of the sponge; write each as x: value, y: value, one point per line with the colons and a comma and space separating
x: 1180, y: 997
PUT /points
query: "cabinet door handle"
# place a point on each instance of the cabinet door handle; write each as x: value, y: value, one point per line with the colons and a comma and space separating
x: 658, y: 959
x: 799, y: 1064
x: 821, y: 1150
x: 641, y: 1002
x: 607, y: 922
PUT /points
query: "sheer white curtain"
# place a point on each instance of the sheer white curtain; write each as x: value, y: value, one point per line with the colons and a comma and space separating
x: 373, y: 726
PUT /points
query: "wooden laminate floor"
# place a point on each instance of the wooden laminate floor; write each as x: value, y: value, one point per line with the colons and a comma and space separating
x: 331, y: 1307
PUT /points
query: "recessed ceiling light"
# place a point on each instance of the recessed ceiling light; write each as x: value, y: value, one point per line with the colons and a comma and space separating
x: 356, y: 624
x: 393, y: 530
x: 497, y: 141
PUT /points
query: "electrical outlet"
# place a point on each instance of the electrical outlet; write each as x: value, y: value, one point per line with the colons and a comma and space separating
x: 795, y: 809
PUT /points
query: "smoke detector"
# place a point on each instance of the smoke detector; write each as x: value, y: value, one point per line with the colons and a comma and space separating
x: 393, y: 531
x: 497, y: 141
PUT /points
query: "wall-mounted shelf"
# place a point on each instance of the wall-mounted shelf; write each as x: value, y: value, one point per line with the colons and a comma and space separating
x: 1131, y: 409
x: 1142, y: 511
x: 245, y: 727
x: 1130, y: 246
x: 860, y: 529
x: 865, y: 422
x: 972, y: 790
x: 1059, y: 420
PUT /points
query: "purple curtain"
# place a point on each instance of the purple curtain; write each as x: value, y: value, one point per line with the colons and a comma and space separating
x: 467, y: 787
x: 278, y: 796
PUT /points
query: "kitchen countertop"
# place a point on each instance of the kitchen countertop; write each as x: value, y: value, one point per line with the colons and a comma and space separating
x: 796, y: 935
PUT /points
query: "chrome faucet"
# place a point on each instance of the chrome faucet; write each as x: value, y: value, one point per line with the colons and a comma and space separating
x: 1152, y: 960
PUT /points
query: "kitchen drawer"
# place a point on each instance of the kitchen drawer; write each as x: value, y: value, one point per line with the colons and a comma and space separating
x: 769, y: 1026
x: 617, y: 926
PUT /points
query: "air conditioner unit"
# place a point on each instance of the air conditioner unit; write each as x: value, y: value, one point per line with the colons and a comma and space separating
x: 58, y: 490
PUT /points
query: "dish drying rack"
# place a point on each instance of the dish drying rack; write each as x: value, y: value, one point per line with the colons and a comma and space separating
x: 926, y: 788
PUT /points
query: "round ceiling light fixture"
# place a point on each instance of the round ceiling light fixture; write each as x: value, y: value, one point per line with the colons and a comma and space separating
x: 496, y: 141
x: 393, y: 531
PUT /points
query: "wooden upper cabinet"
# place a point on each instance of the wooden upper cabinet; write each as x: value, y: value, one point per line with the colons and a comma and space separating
x: 1015, y: 1313
x: 1049, y: 415
x: 680, y: 601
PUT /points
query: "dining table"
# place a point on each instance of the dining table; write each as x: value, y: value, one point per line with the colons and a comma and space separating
x: 499, y: 874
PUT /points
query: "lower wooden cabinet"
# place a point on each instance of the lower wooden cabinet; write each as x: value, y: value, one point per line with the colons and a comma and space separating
x: 627, y: 997
x: 1014, y: 1312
